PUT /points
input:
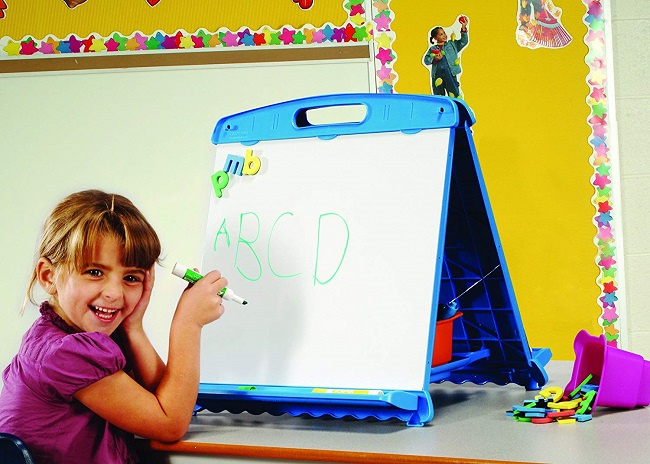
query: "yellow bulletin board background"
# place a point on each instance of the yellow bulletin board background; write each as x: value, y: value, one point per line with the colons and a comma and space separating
x: 532, y: 140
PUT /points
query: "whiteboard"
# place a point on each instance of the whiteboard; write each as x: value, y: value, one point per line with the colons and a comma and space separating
x: 145, y: 134
x: 334, y: 244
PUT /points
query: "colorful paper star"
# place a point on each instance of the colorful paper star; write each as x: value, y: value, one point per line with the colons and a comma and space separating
x: 229, y: 39
x: 603, y: 170
x: 607, y: 262
x: 609, y: 287
x: 299, y: 38
x: 360, y: 34
x: 383, y: 40
x: 48, y: 48
x: 187, y: 42
x: 382, y: 23
x: 604, y: 206
x: 601, y: 181
x: 318, y: 37
x: 97, y: 45
x: 287, y: 36
x: 28, y: 47
x: 384, y: 56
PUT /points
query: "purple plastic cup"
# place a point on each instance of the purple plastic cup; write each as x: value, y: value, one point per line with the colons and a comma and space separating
x: 623, y: 378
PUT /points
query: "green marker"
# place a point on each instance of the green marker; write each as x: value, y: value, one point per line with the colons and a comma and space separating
x: 193, y: 277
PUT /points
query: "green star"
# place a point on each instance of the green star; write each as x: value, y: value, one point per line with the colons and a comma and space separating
x: 604, y: 192
x: 603, y: 169
x: 599, y: 109
x: 611, y: 272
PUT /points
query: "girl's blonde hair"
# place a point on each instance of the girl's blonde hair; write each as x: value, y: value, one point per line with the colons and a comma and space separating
x: 75, y: 225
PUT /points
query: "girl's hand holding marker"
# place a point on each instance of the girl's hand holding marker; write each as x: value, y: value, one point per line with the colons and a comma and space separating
x: 193, y: 277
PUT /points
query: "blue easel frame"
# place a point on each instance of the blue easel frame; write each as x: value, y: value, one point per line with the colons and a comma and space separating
x: 489, y: 342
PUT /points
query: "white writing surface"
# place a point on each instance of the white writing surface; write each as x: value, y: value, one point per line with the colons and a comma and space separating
x: 334, y: 245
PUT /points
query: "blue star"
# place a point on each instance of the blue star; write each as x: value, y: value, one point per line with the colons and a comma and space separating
x: 328, y: 32
x: 610, y: 298
x: 604, y: 218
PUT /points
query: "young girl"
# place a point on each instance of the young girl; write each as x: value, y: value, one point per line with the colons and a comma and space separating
x: 444, y: 58
x: 86, y: 377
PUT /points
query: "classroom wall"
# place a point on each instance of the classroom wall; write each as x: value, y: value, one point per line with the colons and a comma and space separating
x: 631, y: 54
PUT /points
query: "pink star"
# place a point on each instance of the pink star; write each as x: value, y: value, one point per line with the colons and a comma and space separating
x: 287, y: 36
x: 46, y: 48
x: 595, y: 36
x: 598, y: 93
x: 610, y: 314
x: 594, y: 120
x: 384, y: 56
x: 600, y: 130
x: 607, y: 262
x: 111, y: 45
x: 383, y: 23
x: 598, y: 63
x: 383, y: 73
x: 601, y: 181
x: 601, y: 150
x: 318, y: 36
x: 141, y: 40
x: 605, y: 234
x: 230, y: 39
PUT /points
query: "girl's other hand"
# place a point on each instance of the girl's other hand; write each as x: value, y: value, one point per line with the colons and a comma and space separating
x: 134, y: 320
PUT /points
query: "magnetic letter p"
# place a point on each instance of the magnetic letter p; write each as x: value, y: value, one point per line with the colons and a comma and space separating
x: 220, y: 180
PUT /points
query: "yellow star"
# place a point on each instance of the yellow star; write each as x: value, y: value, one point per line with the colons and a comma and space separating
x: 186, y: 42
x: 384, y: 40
x: 598, y: 76
x: 12, y: 49
x: 98, y: 45
x: 267, y: 35
x: 358, y: 19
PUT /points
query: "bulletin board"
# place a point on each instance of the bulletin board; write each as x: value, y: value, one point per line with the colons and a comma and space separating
x: 536, y: 75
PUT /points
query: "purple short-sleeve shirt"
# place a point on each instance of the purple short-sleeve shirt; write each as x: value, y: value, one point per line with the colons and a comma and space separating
x: 37, y: 401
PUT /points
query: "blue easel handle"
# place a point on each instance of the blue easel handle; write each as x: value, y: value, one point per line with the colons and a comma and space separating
x: 384, y: 113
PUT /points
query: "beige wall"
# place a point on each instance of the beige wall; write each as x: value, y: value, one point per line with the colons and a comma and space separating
x: 631, y: 54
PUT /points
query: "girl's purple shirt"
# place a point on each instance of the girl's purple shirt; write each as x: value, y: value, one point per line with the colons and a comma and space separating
x: 37, y: 401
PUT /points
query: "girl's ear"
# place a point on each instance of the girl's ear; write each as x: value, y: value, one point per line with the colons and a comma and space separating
x: 46, y: 276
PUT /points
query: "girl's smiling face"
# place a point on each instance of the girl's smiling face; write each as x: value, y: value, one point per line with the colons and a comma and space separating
x: 101, y: 295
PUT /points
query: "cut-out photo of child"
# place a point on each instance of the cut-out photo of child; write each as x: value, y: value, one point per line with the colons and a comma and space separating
x: 443, y: 59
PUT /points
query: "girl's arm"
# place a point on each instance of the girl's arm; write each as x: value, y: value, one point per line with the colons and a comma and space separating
x: 165, y: 413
